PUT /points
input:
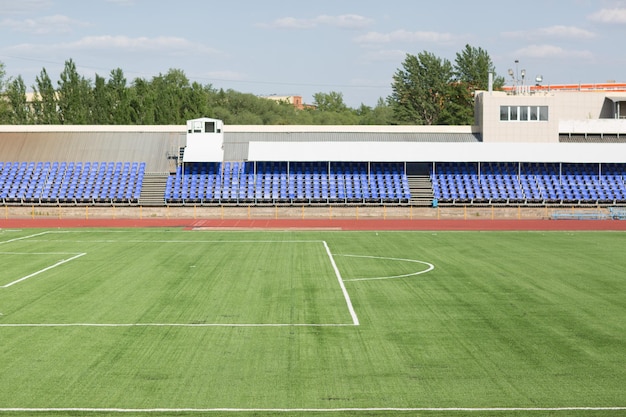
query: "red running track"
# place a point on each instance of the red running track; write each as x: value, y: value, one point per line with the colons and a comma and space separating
x: 323, y: 224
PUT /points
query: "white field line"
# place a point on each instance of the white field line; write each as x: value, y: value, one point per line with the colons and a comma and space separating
x: 430, y: 268
x: 37, y: 253
x: 177, y: 241
x: 23, y: 237
x: 176, y: 324
x: 305, y: 410
x: 42, y: 270
x: 355, y: 319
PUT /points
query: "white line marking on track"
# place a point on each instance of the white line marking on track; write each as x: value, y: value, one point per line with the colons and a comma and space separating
x: 43, y: 270
x: 305, y: 410
x: 430, y: 268
x: 355, y: 319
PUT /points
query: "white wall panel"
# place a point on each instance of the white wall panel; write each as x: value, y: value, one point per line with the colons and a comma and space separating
x: 438, y: 152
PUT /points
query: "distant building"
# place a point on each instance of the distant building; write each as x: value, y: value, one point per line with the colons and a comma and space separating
x: 295, y: 101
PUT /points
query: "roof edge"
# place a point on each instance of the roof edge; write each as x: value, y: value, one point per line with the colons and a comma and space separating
x: 92, y: 128
x: 350, y: 129
x: 246, y: 128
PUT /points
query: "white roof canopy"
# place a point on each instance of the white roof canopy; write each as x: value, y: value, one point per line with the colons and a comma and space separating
x: 437, y: 152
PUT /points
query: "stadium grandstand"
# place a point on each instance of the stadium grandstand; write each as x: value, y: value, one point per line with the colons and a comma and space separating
x: 529, y: 145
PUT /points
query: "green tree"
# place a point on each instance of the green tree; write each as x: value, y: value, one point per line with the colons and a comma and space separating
x: 382, y: 114
x: 459, y: 109
x: 421, y: 89
x: 74, y: 96
x: 430, y: 90
x: 239, y: 108
x: 142, y: 103
x: 330, y: 102
x: 170, y: 91
x: 20, y: 110
x: 471, y: 70
x: 170, y: 98
x: 44, y: 100
x: 118, y: 99
x: 330, y: 109
x: 5, y: 110
x: 472, y: 67
x: 101, y: 112
x: 197, y: 101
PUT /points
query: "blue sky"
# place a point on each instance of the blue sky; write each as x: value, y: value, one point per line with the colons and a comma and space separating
x: 303, y: 47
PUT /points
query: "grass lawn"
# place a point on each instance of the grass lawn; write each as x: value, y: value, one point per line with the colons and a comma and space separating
x: 172, y: 322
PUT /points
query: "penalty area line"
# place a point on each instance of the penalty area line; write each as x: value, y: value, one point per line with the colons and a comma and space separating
x: 23, y: 237
x: 355, y: 319
x: 17, y: 281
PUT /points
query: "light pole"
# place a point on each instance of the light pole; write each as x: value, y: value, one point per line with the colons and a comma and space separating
x: 515, y: 75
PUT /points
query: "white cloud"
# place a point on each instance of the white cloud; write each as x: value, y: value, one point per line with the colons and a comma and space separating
x: 557, y: 31
x: 290, y: 23
x: 405, y: 36
x: 23, y: 6
x: 43, y: 25
x: 122, y: 2
x: 617, y: 15
x: 346, y: 21
x: 551, y: 51
x: 383, y: 55
x: 162, y: 44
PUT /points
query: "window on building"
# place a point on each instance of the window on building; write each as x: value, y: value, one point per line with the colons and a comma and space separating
x: 504, y: 113
x: 523, y: 113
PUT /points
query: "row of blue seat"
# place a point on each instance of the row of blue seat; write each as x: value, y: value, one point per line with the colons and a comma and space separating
x: 282, y: 182
x: 534, y: 183
x: 66, y: 182
x: 263, y: 182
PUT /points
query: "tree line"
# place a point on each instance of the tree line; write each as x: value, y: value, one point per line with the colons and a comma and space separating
x: 426, y: 90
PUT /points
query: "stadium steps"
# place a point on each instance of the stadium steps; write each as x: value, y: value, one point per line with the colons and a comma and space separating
x: 421, y: 190
x: 153, y: 189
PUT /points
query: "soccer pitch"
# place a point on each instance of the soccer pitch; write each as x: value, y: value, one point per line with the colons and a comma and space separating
x: 172, y: 322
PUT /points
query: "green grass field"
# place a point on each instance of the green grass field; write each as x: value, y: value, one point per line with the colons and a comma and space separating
x: 171, y: 322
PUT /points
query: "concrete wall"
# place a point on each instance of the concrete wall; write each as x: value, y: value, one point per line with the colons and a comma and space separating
x: 496, y: 131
